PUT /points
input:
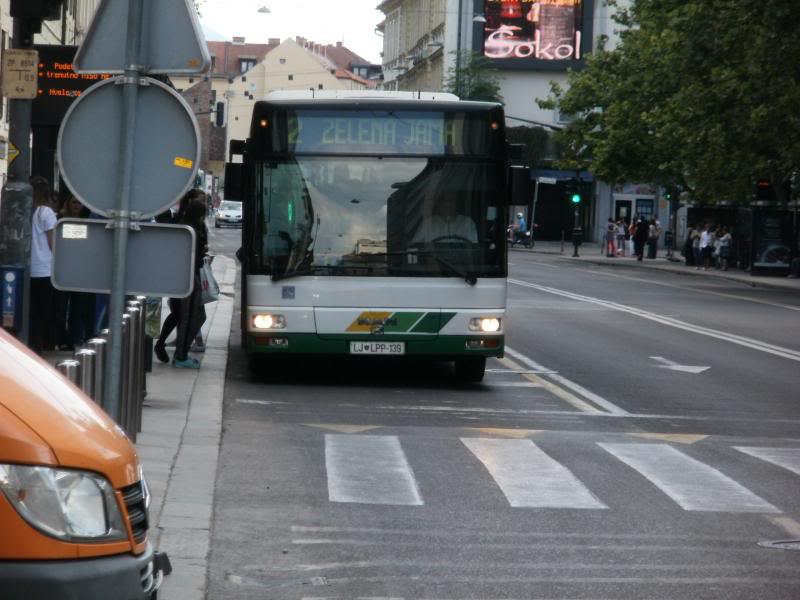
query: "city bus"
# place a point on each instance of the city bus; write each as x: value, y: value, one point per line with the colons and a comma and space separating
x: 374, y: 224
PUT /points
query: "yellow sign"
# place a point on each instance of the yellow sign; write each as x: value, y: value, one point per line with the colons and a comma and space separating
x: 20, y: 74
x: 185, y: 163
x: 13, y: 153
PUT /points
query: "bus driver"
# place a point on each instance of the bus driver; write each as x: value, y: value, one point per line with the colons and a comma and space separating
x: 446, y: 224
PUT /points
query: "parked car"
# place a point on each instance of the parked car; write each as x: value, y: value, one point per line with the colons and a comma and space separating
x: 228, y: 213
x: 73, y: 500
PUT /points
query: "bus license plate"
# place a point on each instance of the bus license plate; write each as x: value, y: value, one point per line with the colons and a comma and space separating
x: 377, y: 348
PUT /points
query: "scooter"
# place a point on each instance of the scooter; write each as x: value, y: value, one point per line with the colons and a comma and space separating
x: 519, y: 238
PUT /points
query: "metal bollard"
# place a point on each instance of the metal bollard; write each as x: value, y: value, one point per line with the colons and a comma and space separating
x: 100, y: 347
x: 125, y: 378
x: 134, y: 344
x: 137, y: 311
x: 71, y: 369
x: 88, y: 360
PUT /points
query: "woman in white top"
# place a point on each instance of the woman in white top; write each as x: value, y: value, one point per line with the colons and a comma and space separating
x: 42, y: 291
x: 724, y: 244
x: 706, y: 246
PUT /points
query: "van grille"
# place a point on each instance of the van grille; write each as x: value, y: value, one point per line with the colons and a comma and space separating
x: 134, y: 498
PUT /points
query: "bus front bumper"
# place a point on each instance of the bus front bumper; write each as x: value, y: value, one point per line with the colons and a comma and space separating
x: 441, y: 346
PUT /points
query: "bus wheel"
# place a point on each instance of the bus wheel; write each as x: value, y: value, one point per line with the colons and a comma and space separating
x: 258, y: 365
x: 471, y: 369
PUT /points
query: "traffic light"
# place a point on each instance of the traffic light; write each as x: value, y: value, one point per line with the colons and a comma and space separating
x: 572, y: 190
x: 764, y: 191
x: 220, y: 114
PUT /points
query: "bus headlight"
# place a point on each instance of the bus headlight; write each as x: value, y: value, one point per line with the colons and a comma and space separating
x: 485, y: 324
x: 267, y: 321
x: 65, y: 504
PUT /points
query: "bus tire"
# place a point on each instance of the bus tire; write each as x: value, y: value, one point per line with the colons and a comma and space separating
x: 471, y: 369
x: 257, y: 364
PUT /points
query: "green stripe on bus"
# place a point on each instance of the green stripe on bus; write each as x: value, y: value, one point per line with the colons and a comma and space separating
x: 430, y: 323
x: 402, y: 322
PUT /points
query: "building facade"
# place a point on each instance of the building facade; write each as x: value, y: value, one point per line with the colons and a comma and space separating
x: 69, y: 29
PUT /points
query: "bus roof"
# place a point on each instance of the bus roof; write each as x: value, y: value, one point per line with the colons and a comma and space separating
x: 283, y: 95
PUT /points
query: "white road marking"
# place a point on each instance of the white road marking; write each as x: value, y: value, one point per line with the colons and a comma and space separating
x: 690, y: 483
x: 515, y: 384
x: 788, y: 458
x: 713, y: 333
x: 673, y: 366
x: 530, y: 478
x: 369, y: 469
x: 610, y: 408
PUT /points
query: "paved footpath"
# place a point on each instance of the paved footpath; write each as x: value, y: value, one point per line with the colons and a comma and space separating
x: 179, y: 447
x: 591, y: 253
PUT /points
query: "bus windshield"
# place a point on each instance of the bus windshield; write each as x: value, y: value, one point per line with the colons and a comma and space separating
x: 380, y: 216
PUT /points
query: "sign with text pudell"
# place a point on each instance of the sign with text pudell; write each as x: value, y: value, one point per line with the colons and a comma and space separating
x: 59, y: 84
x: 537, y: 34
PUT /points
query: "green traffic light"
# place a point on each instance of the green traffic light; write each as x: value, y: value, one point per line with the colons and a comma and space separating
x: 576, y: 198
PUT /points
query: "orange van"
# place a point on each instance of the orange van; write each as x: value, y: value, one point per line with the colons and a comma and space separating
x: 73, y: 501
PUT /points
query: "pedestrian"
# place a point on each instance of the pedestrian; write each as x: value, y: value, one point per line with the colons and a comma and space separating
x: 696, y: 234
x: 622, y: 231
x: 706, y: 246
x: 192, y: 312
x: 610, y: 238
x: 653, y: 233
x: 174, y: 304
x: 724, y: 244
x: 640, y: 236
x: 42, y: 302
x: 686, y: 251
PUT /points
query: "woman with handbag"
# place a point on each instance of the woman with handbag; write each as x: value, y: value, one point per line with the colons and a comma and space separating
x: 192, y: 312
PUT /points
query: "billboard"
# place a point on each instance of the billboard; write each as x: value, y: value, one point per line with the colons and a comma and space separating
x: 537, y: 34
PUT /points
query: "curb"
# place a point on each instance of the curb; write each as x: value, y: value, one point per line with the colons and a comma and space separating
x: 184, y: 521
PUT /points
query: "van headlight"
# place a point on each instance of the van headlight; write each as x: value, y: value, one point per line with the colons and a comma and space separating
x: 65, y: 504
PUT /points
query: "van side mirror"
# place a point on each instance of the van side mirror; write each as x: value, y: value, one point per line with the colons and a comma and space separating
x: 233, y: 181
x: 520, y: 180
x: 236, y: 148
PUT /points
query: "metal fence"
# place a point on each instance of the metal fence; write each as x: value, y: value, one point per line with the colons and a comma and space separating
x: 87, y: 368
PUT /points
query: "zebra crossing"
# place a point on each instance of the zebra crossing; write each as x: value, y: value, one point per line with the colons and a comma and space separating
x: 374, y: 469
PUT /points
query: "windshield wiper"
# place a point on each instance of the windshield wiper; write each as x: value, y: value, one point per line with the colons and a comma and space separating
x: 470, y: 278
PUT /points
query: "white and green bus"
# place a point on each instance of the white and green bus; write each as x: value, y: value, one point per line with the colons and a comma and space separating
x: 374, y: 224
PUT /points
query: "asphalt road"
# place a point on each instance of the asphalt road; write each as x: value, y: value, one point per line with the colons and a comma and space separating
x: 582, y: 468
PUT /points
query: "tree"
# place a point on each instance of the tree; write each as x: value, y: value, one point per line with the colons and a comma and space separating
x: 473, y: 79
x: 699, y: 94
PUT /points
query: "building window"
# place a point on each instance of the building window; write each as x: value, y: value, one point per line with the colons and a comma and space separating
x: 245, y: 64
x: 320, y: 86
x: 283, y: 61
x: 291, y: 77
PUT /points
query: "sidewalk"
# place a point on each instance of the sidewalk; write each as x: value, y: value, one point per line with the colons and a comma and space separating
x: 179, y: 447
x: 591, y: 253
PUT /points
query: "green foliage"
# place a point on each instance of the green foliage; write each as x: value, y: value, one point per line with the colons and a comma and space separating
x: 473, y: 79
x: 702, y: 94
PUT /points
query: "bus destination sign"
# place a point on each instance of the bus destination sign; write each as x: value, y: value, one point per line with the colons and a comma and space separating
x: 59, y: 84
x: 410, y: 133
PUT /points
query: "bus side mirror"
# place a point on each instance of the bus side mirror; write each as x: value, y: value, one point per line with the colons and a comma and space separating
x: 520, y: 179
x: 236, y: 148
x: 233, y: 181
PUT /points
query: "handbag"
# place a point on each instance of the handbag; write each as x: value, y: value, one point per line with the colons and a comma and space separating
x: 208, y: 283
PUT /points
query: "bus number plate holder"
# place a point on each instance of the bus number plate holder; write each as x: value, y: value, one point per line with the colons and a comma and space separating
x: 377, y: 348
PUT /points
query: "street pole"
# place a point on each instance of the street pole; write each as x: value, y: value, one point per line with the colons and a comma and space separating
x: 122, y: 217
x: 458, y: 48
x: 17, y: 205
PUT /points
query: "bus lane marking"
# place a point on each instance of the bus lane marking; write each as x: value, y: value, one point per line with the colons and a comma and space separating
x: 583, y: 406
x: 669, y: 321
